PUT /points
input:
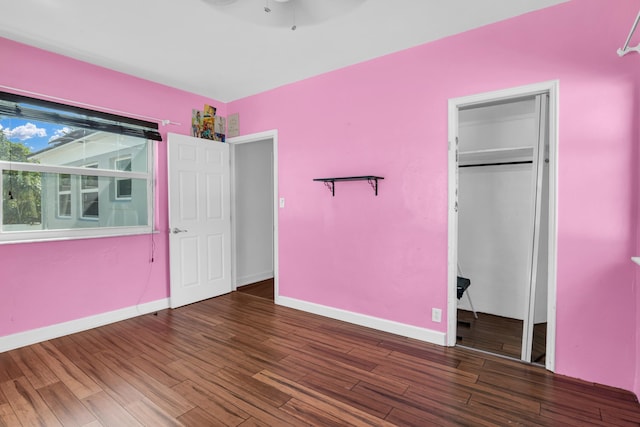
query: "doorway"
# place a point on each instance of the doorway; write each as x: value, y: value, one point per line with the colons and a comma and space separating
x: 254, y: 211
x: 502, y: 235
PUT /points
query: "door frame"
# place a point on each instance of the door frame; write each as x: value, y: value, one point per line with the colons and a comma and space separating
x: 255, y: 137
x: 552, y: 89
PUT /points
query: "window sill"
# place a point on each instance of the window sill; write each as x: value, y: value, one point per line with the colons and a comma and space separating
x: 65, y: 235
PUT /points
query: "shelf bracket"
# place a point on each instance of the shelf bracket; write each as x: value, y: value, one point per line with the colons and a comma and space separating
x: 331, y: 185
x: 373, y: 182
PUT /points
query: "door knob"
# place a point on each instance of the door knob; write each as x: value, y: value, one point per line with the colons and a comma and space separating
x: 177, y: 230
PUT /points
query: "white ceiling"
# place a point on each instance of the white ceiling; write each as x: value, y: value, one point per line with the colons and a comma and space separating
x: 194, y: 46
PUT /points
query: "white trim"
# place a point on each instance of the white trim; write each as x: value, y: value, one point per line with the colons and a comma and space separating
x: 552, y: 88
x: 254, y: 137
x: 410, y: 331
x: 80, y: 234
x: 506, y: 94
x: 452, y: 247
x: 34, y: 336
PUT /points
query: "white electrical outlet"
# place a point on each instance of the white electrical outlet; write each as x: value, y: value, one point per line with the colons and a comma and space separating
x: 436, y: 315
x: 281, y: 202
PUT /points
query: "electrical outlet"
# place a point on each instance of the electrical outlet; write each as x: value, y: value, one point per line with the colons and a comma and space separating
x: 436, y: 315
x: 281, y: 202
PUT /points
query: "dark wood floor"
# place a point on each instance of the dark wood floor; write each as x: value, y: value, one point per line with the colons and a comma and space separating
x: 240, y: 360
x: 262, y: 289
x: 499, y: 335
x: 494, y: 334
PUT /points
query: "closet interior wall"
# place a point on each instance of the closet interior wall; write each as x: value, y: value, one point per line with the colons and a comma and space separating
x: 496, y: 204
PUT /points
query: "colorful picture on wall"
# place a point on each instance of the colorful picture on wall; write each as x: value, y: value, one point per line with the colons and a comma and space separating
x: 196, y: 123
x: 208, y: 122
x: 209, y: 110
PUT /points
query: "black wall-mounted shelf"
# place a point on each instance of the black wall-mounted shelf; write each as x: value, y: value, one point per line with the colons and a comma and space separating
x: 331, y: 182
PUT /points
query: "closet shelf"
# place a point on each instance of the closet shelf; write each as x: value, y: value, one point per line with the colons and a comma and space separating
x: 496, y: 156
x: 330, y: 183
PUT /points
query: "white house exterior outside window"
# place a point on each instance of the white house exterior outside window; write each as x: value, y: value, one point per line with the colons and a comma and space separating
x: 123, y: 185
x: 89, y: 195
x: 64, y: 195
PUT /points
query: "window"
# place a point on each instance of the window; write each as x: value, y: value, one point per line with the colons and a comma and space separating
x: 64, y: 195
x: 89, y: 190
x: 47, y: 192
x: 123, y: 185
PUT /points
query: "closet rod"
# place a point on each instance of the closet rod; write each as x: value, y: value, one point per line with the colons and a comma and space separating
x: 626, y: 49
x: 496, y: 164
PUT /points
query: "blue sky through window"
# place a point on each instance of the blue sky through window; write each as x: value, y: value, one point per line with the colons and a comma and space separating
x: 33, y: 134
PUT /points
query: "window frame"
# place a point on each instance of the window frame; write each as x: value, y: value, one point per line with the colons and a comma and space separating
x: 8, y: 237
x: 76, y: 117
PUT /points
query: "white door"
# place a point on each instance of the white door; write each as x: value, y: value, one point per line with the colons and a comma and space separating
x: 199, y: 219
x: 533, y: 304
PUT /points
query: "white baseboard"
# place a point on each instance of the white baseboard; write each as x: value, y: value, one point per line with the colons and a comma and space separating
x: 390, y: 326
x: 33, y: 336
x: 253, y: 278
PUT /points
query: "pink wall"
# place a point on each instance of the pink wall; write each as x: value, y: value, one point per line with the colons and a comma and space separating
x: 47, y: 283
x: 386, y: 256
x: 637, y: 275
x: 637, y: 381
x: 637, y: 376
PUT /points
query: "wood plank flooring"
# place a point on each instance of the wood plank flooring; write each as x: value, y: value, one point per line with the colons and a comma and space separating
x: 499, y: 335
x: 240, y: 360
x: 262, y: 289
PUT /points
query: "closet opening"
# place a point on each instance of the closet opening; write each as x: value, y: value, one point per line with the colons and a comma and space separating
x: 254, y: 213
x: 502, y: 223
